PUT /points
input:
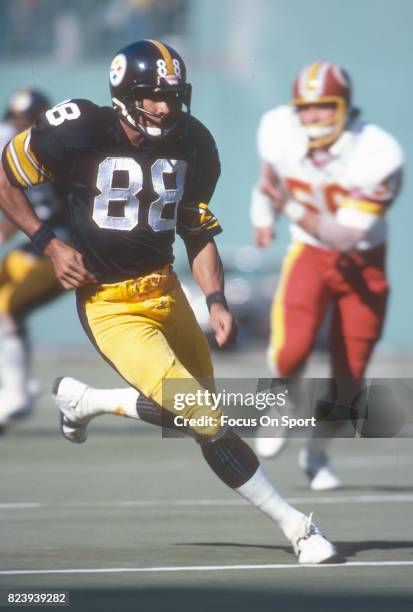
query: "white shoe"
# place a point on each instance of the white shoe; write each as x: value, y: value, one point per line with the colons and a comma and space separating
x: 26, y: 409
x: 270, y: 447
x: 68, y: 394
x: 318, y: 471
x: 13, y: 405
x: 310, y: 545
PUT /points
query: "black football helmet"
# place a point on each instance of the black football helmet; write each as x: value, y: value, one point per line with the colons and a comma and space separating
x: 149, y: 69
x: 26, y: 105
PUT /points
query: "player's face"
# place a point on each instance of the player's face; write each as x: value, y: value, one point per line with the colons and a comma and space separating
x: 162, y: 105
x: 316, y: 113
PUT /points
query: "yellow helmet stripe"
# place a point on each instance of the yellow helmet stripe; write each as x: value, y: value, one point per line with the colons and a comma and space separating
x: 165, y: 54
x: 312, y: 75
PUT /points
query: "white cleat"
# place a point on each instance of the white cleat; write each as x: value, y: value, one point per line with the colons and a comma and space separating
x: 270, y: 447
x: 310, y: 546
x: 14, y: 405
x: 68, y: 394
x: 318, y: 471
x: 26, y: 409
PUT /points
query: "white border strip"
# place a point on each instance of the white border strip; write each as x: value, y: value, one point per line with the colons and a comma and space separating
x: 214, y: 503
x: 204, y: 568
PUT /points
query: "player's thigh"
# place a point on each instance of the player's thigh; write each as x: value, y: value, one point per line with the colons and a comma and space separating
x: 31, y: 282
x: 132, y: 343
x: 187, y: 339
x: 357, y: 326
x: 136, y: 345
x: 298, y: 308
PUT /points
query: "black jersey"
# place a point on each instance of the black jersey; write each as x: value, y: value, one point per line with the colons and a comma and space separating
x: 125, y: 202
x: 49, y: 203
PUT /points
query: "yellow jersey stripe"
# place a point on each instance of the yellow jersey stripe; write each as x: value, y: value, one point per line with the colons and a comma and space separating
x: 14, y: 170
x: 17, y: 165
x: 31, y: 156
x: 367, y: 206
x: 210, y: 224
x: 165, y: 54
x: 26, y: 165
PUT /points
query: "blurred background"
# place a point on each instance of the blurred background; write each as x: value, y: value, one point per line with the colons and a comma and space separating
x: 242, y: 56
x: 126, y: 500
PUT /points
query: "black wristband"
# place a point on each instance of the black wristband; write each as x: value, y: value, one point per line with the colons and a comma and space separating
x: 216, y: 298
x: 42, y: 237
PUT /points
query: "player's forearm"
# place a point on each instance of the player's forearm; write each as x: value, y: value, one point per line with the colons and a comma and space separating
x: 329, y: 231
x: 206, y: 266
x: 16, y: 206
x: 7, y: 230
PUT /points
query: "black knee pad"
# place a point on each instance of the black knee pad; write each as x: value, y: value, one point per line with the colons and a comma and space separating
x: 232, y: 460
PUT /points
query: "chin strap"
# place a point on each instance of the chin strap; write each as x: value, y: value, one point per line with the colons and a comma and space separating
x: 152, y: 132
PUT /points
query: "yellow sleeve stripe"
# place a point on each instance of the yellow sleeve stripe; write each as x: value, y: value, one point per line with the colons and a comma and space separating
x: 373, y: 208
x: 25, y: 161
x: 206, y: 227
x: 12, y: 166
x: 31, y: 156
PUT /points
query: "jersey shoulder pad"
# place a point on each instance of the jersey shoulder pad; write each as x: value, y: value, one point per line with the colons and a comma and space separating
x: 198, y: 140
x: 377, y: 155
x: 75, y: 123
x: 279, y: 133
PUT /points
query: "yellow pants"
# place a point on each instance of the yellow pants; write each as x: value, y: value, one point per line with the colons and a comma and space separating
x: 148, y: 332
x: 26, y: 281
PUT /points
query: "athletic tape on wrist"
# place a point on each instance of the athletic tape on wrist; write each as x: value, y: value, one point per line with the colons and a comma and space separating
x: 42, y: 237
x: 216, y: 298
x: 261, y: 211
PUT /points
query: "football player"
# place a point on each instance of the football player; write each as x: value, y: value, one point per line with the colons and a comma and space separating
x: 334, y: 176
x: 137, y: 172
x: 27, y: 278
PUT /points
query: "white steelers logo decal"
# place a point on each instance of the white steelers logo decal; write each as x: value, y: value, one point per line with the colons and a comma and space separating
x: 117, y: 69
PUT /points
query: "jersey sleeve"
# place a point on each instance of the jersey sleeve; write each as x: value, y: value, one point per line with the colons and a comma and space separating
x: 377, y: 171
x: 277, y: 130
x: 25, y: 168
x: 195, y: 221
x: 47, y: 150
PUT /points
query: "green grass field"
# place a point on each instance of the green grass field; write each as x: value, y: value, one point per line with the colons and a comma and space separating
x: 132, y: 521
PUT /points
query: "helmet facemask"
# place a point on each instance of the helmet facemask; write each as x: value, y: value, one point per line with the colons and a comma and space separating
x: 323, y: 84
x: 151, y: 125
x: 324, y: 133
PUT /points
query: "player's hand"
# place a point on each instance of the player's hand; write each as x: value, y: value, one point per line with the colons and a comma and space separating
x: 69, y: 266
x: 263, y: 236
x: 223, y: 324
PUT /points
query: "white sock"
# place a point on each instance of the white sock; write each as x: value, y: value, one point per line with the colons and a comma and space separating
x: 14, y: 367
x: 121, y: 402
x: 315, y: 446
x: 259, y: 492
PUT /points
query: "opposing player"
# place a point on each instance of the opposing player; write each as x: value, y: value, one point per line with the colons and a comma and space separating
x: 136, y: 172
x: 27, y: 278
x: 335, y: 177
